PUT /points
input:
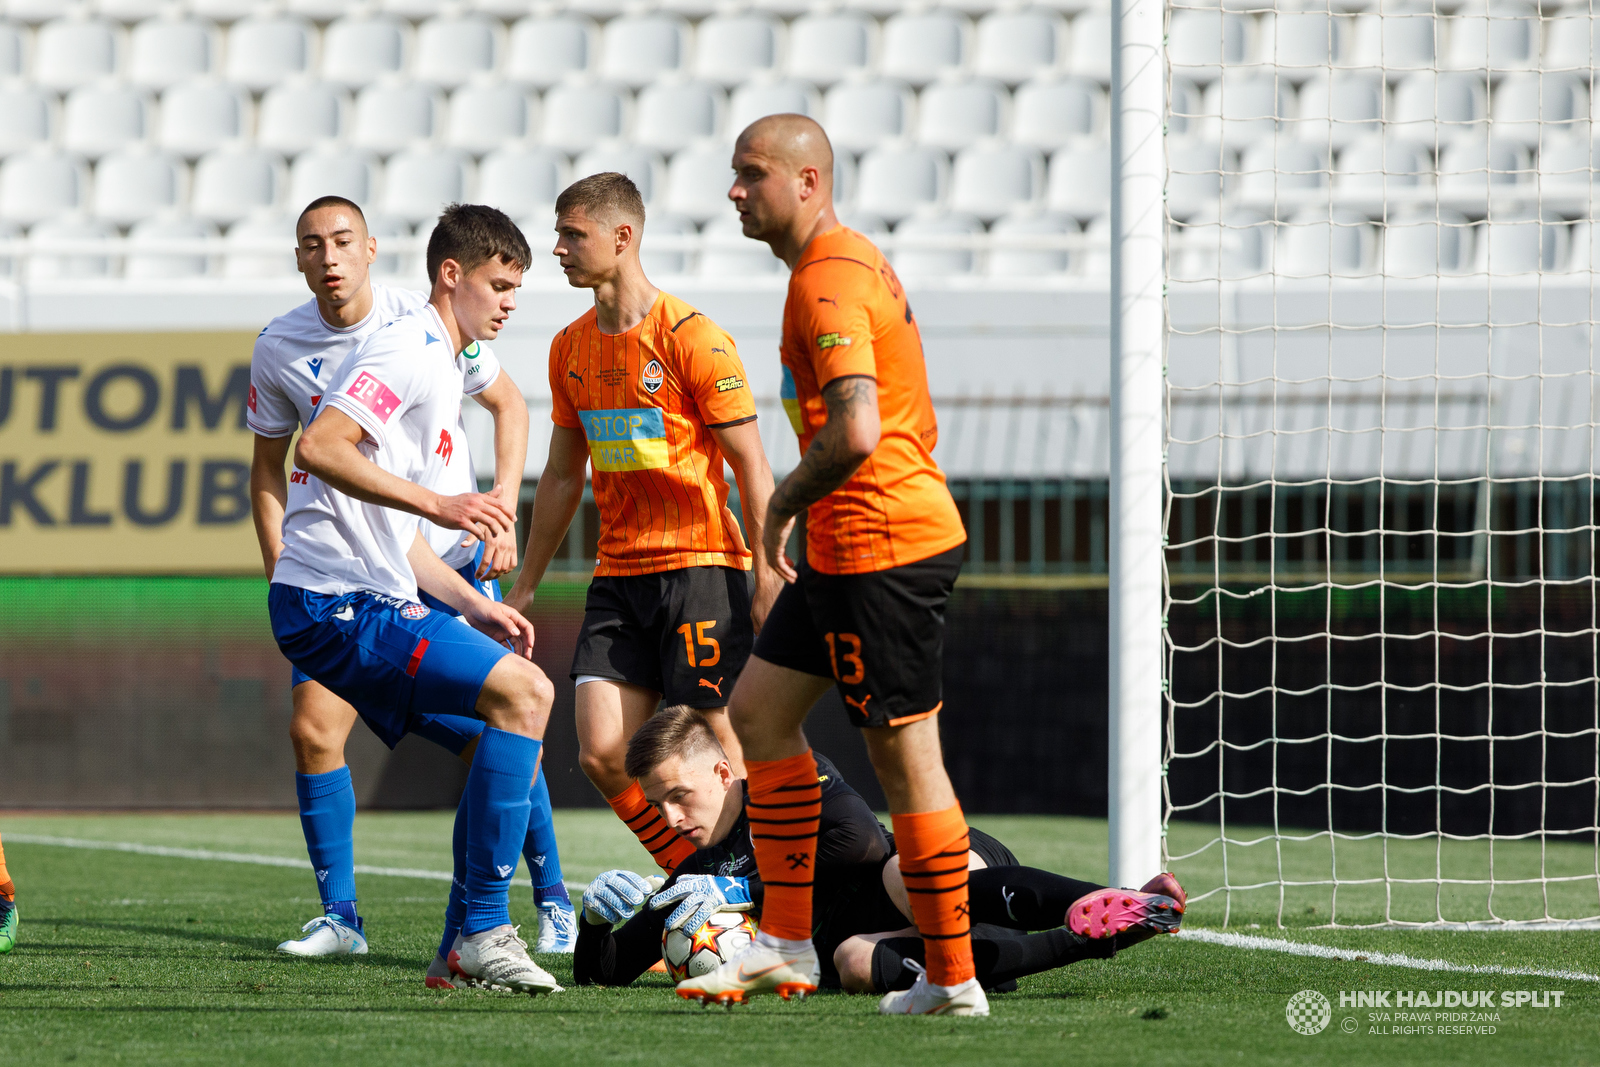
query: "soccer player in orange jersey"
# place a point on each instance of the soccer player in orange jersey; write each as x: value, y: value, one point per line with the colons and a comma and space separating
x: 650, y: 393
x: 865, y: 609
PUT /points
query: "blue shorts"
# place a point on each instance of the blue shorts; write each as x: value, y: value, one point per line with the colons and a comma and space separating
x: 396, y: 663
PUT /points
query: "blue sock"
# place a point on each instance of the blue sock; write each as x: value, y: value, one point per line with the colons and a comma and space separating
x: 328, y: 816
x: 455, y: 911
x: 539, y: 848
x: 497, y: 823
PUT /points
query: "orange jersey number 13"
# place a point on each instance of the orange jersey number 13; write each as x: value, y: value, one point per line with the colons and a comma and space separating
x: 852, y: 656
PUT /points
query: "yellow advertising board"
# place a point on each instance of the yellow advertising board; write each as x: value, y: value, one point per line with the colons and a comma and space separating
x: 125, y: 453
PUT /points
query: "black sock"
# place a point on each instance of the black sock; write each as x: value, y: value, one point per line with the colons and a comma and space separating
x: 1000, y: 955
x: 1023, y: 898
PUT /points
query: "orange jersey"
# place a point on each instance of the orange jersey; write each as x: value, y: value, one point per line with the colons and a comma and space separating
x: 646, y: 401
x: 846, y: 314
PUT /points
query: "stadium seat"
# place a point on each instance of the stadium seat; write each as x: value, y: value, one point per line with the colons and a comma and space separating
x: 761, y: 97
x: 1013, y: 46
x: 897, y: 179
x: 730, y: 49
x: 1432, y: 108
x: 867, y: 225
x: 252, y: 248
x: 146, y: 263
x: 414, y: 10
x: 321, y: 10
x: 1585, y: 246
x: 9, y: 264
x: 330, y: 170
x: 932, y: 260
x: 1397, y: 35
x: 36, y: 11
x: 1213, y: 246
x: 200, y: 115
x: 825, y: 47
x: 136, y: 183
x: 637, y: 49
x: 1080, y: 179
x: 673, y: 113
x: 522, y: 180
x: 1091, y: 46
x: 233, y: 182
x: 728, y: 253
x: 1024, y: 262
x: 452, y: 49
x: 391, y: 114
x: 28, y: 117
x: 660, y: 262
x: 544, y: 49
x: 97, y: 119
x: 265, y: 50
x: 419, y: 182
x: 845, y: 174
x: 1472, y: 168
x: 1571, y: 39
x: 919, y: 46
x: 487, y: 114
x: 1301, y: 43
x: 642, y: 165
x: 1185, y: 107
x: 71, y: 52
x: 13, y: 49
x: 698, y: 179
x: 994, y: 178
x: 1530, y: 107
x: 1049, y: 113
x: 163, y: 52
x: 1274, y: 173
x: 1500, y: 34
x: 1377, y: 165
x: 1319, y: 242
x: 42, y: 183
x: 1420, y: 242
x: 861, y: 114
x: 1199, y: 173
x: 1571, y: 162
x: 954, y: 114
x: 1339, y: 107
x: 223, y: 10
x: 1244, y: 106
x: 125, y: 11
x: 46, y: 266
x: 1201, y: 41
x: 360, y: 49
x: 299, y: 114
x: 395, y: 258
x: 578, y: 116
x: 1521, y: 243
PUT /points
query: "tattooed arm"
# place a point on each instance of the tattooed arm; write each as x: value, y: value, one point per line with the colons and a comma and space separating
x: 842, y: 445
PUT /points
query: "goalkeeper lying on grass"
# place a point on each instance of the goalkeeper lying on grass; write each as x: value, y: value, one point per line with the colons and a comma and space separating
x: 864, y: 934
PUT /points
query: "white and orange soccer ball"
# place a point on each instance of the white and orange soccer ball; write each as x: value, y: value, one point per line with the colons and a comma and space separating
x: 723, y: 935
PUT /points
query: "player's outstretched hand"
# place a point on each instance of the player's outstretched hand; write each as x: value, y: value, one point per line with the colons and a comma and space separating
x: 499, y: 556
x: 483, y: 515
x: 615, y: 896
x: 502, y: 624
x: 774, y: 537
x: 698, y: 897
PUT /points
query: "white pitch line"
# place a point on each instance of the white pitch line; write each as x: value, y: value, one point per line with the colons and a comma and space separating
x: 1386, y: 959
x: 229, y: 857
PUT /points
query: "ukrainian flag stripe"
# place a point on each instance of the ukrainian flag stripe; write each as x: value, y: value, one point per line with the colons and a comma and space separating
x: 791, y: 402
x: 626, y: 439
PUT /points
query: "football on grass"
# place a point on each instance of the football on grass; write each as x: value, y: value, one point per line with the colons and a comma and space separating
x: 723, y: 935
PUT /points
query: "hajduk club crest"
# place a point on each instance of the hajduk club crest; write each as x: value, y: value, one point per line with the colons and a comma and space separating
x: 414, y: 611
x: 652, y: 375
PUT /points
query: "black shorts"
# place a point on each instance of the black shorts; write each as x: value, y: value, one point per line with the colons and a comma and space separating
x: 685, y: 634
x: 880, y: 636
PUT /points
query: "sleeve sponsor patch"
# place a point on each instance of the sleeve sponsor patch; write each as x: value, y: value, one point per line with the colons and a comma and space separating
x: 374, y: 396
x: 832, y: 340
x: 731, y: 382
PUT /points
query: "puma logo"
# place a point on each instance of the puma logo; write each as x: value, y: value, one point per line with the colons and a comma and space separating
x: 828, y: 300
x: 575, y: 374
x: 859, y: 705
x: 715, y: 687
x: 1007, y: 896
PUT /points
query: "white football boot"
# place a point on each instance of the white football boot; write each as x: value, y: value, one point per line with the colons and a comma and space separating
x: 327, y: 935
x: 558, y: 929
x: 440, y: 976
x: 756, y: 969
x: 498, y: 958
x: 923, y: 998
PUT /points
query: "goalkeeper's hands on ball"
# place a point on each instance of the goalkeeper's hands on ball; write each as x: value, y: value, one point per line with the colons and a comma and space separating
x: 616, y: 895
x: 698, y: 897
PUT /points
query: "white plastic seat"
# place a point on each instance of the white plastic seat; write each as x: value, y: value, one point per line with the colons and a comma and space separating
x: 332, y: 171
x: 200, y: 115
x: 452, y: 49
x: 299, y: 114
x: 1024, y: 262
x: 1048, y: 114
x: 642, y: 165
x: 544, y: 49
x: 252, y: 248
x: 28, y: 117
x: 1013, y: 46
x: 952, y: 115
x: 1185, y: 107
x: 72, y: 265
x: 864, y: 224
x: 1398, y: 35
x: 1523, y: 243
x: 1202, y: 41
x: 730, y: 49
x: 1569, y: 163
x: 1572, y: 39
x: 322, y: 10
x: 1432, y: 108
x: 1339, y: 107
x: 1301, y: 43
x: 71, y: 52
x: 36, y: 11
x: 392, y: 114
x: 395, y: 258
x: 698, y: 179
x: 1214, y: 246
x: 895, y: 180
x: 1585, y: 246
x: 1091, y: 46
x: 136, y: 183
x: 263, y: 51
x: 1500, y: 35
x: 992, y: 179
x: 673, y: 113
x: 659, y: 262
x: 934, y: 259
x: 13, y: 49
x: 359, y: 50
x: 918, y: 47
x: 420, y: 182
x: 97, y: 119
x: 1318, y: 243
x: 844, y: 177
x: 861, y: 114
x: 231, y: 183
x: 726, y: 252
x: 126, y: 11
x: 760, y: 98
x: 223, y: 10
x: 825, y: 47
x: 1421, y: 242
x: 1199, y: 172
x: 414, y: 10
x: 1080, y: 180
x: 637, y: 49
x: 145, y: 262
x: 579, y: 116
x: 1476, y: 166
x: 1282, y: 169
x: 1379, y: 165
x: 521, y: 180
x: 1531, y: 107
x: 1244, y: 106
x: 40, y: 184
x: 163, y: 52
x: 485, y: 115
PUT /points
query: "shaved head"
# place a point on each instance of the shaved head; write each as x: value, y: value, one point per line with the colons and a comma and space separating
x: 783, y: 183
x: 792, y: 142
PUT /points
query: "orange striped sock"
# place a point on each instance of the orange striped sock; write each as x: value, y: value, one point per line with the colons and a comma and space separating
x: 933, y: 862
x: 664, y: 846
x: 785, y: 805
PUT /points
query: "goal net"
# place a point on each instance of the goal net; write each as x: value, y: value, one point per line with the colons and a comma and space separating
x: 1381, y: 628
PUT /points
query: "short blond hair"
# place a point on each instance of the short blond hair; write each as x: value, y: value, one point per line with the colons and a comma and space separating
x: 677, y: 730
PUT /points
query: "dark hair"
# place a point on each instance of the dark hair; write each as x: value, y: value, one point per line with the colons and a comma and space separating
x: 331, y: 201
x: 603, y: 196
x: 678, y: 730
x: 473, y: 234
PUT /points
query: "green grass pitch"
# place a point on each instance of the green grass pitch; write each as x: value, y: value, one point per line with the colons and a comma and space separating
x: 128, y: 958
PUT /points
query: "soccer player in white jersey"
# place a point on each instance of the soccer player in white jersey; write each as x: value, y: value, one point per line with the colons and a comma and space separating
x: 344, y: 598
x: 297, y: 357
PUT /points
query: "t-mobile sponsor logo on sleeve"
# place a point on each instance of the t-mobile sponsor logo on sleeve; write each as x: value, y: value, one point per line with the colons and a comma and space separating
x: 375, y: 396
